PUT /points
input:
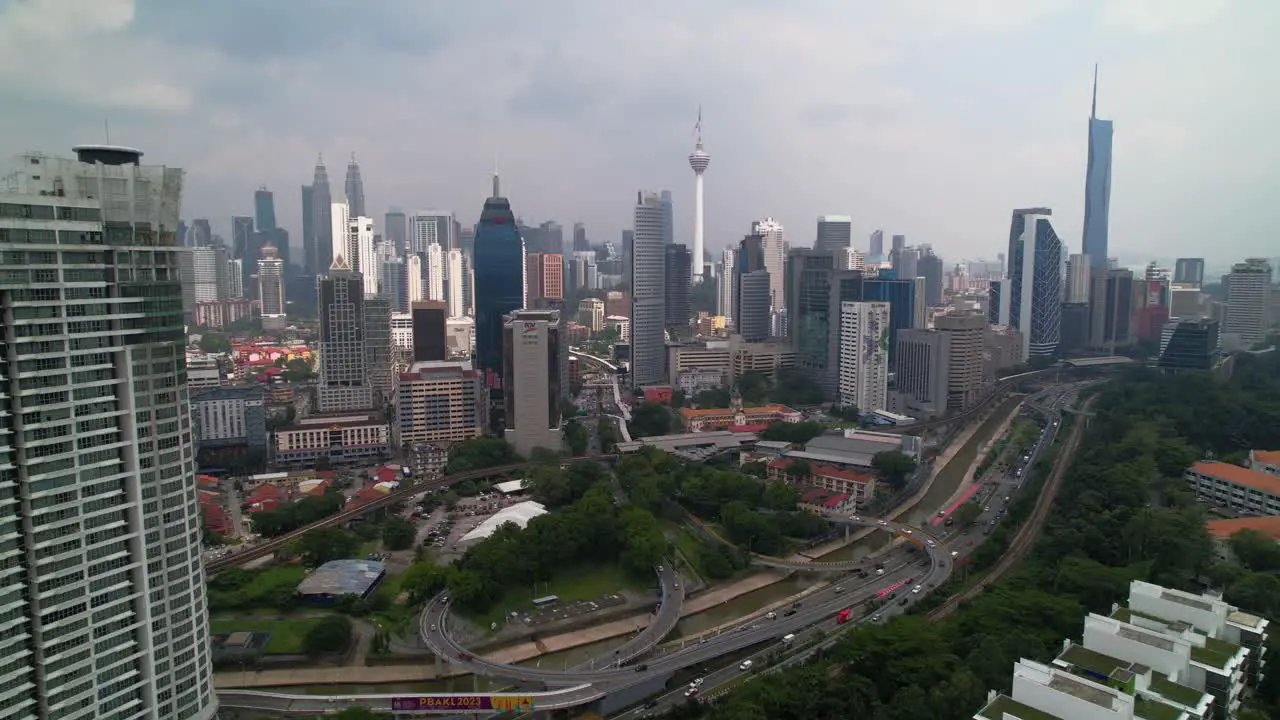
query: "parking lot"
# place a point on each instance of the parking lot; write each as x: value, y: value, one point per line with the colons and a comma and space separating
x: 443, y: 529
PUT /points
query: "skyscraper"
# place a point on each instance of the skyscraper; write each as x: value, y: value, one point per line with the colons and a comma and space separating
x: 344, y: 377
x: 103, y: 592
x: 679, y: 279
x: 377, y: 347
x: 453, y: 282
x: 864, y: 355
x: 319, y: 253
x: 1097, y: 184
x: 834, y: 233
x: 929, y: 267
x: 271, y: 288
x: 395, y: 230
x: 699, y: 160
x: 1035, y: 287
x: 875, y: 247
x: 724, y: 300
x: 499, y: 279
x: 354, y: 187
x: 773, y: 242
x: 1079, y: 283
x: 751, y: 290
x: 580, y: 242
x: 897, y: 242
x: 648, y: 293
x: 1189, y: 271
x: 264, y: 210
x: 431, y: 226
x: 429, y: 331
x: 668, y: 218
x: 361, y: 254
x: 1111, y: 309
x: 308, y: 230
x: 435, y: 273
x: 1248, y: 303
x: 244, y: 244
x: 531, y: 379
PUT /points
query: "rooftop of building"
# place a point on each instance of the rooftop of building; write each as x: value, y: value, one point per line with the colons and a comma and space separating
x: 1224, y: 528
x: 748, y: 411
x: 1238, y: 475
x: 1110, y: 667
x: 1266, y: 457
x: 439, y: 370
x: 335, y: 421
x: 720, y: 439
x: 820, y: 470
x: 342, y: 577
x: 520, y: 514
x: 1002, y: 704
x: 1211, y: 651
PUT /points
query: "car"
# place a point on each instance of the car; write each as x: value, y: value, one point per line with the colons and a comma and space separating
x: 955, y: 553
x: 641, y: 668
x: 697, y: 682
x: 903, y: 602
x: 433, y: 628
x: 906, y: 531
x: 840, y: 589
x: 691, y: 692
x: 882, y: 523
x: 789, y: 613
x: 915, y: 590
x: 771, y: 616
x: 675, y: 586
x: 986, y: 509
x: 746, y: 665
x: 875, y: 618
x: 879, y: 571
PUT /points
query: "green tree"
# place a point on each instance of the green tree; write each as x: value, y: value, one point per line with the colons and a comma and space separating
x: 479, y: 453
x: 893, y: 466
x: 650, y: 419
x: 1257, y: 551
x: 754, y: 386
x: 398, y: 533
x: 576, y: 437
x: 332, y: 634
x: 321, y: 545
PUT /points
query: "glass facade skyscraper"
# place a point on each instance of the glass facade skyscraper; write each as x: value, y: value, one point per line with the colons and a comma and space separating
x: 1097, y: 185
x: 499, y: 282
x: 1035, y: 282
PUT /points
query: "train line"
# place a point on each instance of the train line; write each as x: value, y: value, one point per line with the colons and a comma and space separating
x: 1027, y: 535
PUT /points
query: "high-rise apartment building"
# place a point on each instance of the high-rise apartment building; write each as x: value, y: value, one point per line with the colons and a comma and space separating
x: 864, y: 355
x: 455, y: 286
x: 499, y: 290
x: 271, y: 287
x: 648, y: 292
x: 591, y: 313
x: 752, y: 285
x: 1248, y: 304
x: 531, y: 352
x: 432, y: 227
x: 1097, y: 185
x: 773, y: 240
x: 378, y: 347
x: 434, y: 269
x: 208, y: 281
x: 354, y: 187
x: 850, y: 258
x: 724, y: 295
x: 358, y: 244
x: 679, y: 284
x: 415, y: 285
x: 103, y: 594
x: 1034, y: 297
x: 344, y: 373
x: 965, y: 358
x: 1189, y: 271
x: 835, y: 233
x: 318, y: 248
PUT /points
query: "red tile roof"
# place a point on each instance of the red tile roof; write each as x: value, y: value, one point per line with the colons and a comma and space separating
x: 266, y: 491
x: 835, y: 501
x: 216, y: 520
x: 821, y: 470
x: 365, y: 496
x: 1223, y: 529
x: 1267, y: 457
x: 1240, y: 476
x: 386, y: 473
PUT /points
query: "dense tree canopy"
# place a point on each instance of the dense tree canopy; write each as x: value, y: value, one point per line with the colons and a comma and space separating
x: 649, y: 419
x: 293, y: 515
x: 1123, y: 514
x: 479, y: 453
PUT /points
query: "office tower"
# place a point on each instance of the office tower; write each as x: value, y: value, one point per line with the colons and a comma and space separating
x: 679, y: 281
x: 648, y: 293
x: 271, y: 286
x: 875, y: 247
x: 864, y: 355
x: 499, y: 289
x: 415, y: 284
x: 1189, y: 271
x: 591, y: 313
x: 308, y: 229
x: 903, y: 298
x: 354, y: 188
x: 532, y: 279
x: 929, y: 267
x: 773, y: 240
x: 897, y: 242
x: 454, y: 281
x: 1111, y: 309
x: 1000, y: 302
x: 393, y: 283
x: 361, y: 254
x: 264, y: 209
x: 699, y: 160
x: 466, y: 240
x: 434, y: 269
x: 850, y: 258
x: 1248, y: 287
x: 202, y: 284
x: 378, y: 348
x: 235, y: 278
x: 104, y: 607
x: 920, y: 373
x: 752, y: 285
x: 1189, y: 344
x: 429, y: 330
x: 432, y: 227
x: 668, y: 218
x: 531, y: 377
x: 919, y: 310
x: 395, y: 230
x: 810, y: 314
x: 438, y: 402
x: 580, y: 242
x: 1097, y: 184
x: 835, y: 232
x: 245, y: 245
x: 906, y: 263
x: 966, y: 365
x: 628, y: 239
x: 1035, y: 290
x: 319, y: 253
x: 724, y: 298
x: 344, y: 378
x: 1079, y: 279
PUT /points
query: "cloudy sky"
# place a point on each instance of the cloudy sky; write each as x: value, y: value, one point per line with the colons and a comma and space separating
x: 931, y: 118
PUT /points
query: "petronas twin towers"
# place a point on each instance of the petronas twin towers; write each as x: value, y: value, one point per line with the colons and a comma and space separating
x: 317, y: 233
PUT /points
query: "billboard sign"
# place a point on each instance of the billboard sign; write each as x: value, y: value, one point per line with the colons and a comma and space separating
x: 452, y: 704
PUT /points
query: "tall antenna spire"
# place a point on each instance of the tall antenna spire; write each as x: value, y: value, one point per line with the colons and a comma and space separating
x: 1093, y: 111
x: 697, y: 127
x: 496, y: 192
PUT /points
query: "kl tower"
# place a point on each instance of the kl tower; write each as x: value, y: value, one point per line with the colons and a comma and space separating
x: 698, y: 160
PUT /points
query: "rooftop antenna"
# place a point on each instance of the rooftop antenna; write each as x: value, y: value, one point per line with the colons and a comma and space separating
x: 496, y: 192
x: 1093, y: 111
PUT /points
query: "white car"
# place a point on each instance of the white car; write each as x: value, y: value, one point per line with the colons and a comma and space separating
x: 915, y: 590
x: 697, y: 682
x: 746, y: 665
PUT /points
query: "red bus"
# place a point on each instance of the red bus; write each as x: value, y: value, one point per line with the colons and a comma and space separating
x: 843, y: 616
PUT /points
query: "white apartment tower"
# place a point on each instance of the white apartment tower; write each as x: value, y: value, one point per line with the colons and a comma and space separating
x: 435, y: 273
x: 415, y: 285
x: 531, y: 379
x: 453, y: 282
x: 271, y: 283
x: 724, y: 298
x: 361, y: 253
x: 102, y: 600
x: 773, y: 240
x: 864, y: 355
x: 1248, y: 302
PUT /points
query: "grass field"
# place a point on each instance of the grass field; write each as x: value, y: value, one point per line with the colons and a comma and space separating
x: 589, y: 582
x: 286, y: 634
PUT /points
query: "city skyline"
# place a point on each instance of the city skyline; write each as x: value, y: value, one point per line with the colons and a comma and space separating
x: 969, y: 150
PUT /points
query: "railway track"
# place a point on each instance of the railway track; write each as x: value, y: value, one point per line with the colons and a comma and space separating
x: 1026, y: 537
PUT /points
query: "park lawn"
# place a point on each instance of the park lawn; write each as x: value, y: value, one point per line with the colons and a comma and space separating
x: 584, y: 582
x: 286, y: 634
x: 691, y: 548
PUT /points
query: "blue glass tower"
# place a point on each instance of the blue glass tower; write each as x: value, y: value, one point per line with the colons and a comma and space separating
x: 499, y: 282
x: 1097, y: 185
x: 1035, y: 283
x: 901, y: 296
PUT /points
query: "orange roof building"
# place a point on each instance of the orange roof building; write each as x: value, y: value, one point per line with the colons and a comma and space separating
x: 1267, y: 461
x: 1235, y: 488
x: 1224, y: 529
x: 859, y: 486
x: 705, y: 419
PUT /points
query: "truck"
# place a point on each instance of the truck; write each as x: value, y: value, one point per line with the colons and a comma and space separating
x: 844, y: 616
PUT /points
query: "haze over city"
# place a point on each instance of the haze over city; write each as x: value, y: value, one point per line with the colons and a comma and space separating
x: 925, y: 120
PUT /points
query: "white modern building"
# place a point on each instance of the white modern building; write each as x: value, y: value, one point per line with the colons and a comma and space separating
x: 773, y: 239
x: 402, y: 331
x: 851, y: 258
x: 362, y: 254
x: 102, y: 602
x: 415, y: 282
x: 453, y: 283
x: 271, y: 287
x: 435, y: 273
x: 724, y: 297
x: 531, y: 379
x: 431, y: 227
x: 208, y: 265
x: 1248, y: 304
x: 864, y: 355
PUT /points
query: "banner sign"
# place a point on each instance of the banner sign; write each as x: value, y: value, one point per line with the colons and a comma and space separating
x: 462, y: 703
